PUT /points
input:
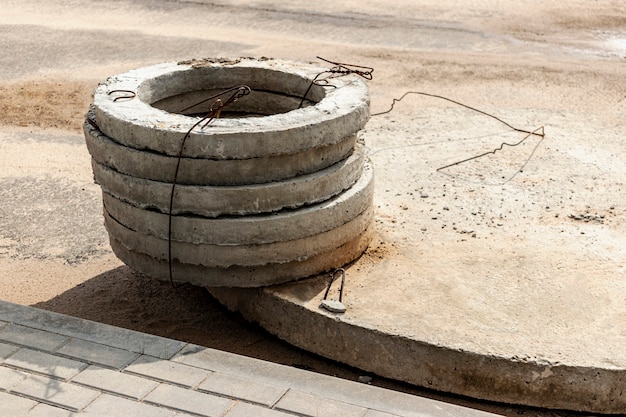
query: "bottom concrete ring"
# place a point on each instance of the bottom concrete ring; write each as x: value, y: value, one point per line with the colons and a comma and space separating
x: 226, y: 256
x: 238, y: 276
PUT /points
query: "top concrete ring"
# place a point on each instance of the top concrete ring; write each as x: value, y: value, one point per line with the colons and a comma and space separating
x: 125, y: 108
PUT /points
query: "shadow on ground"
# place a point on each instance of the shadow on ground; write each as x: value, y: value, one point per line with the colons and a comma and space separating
x: 186, y: 313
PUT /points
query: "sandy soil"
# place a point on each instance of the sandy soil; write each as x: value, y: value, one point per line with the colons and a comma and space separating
x: 531, y: 63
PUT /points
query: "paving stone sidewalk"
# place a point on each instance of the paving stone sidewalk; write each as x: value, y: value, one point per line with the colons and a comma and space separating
x: 55, y: 365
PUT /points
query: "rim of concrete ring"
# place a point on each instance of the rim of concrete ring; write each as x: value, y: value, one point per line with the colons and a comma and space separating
x: 210, y: 201
x: 242, y: 276
x: 341, y: 111
x: 202, y: 171
x: 250, y: 230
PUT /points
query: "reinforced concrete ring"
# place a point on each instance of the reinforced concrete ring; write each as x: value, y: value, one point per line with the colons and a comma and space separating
x: 335, y: 112
x: 202, y: 171
x: 225, y: 256
x: 250, y: 230
x: 211, y: 201
x: 239, y: 276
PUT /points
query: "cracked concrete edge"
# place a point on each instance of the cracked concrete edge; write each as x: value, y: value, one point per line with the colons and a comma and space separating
x: 250, y: 230
x: 341, y: 111
x: 211, y: 201
x: 238, y: 276
x: 202, y: 171
x: 398, y: 356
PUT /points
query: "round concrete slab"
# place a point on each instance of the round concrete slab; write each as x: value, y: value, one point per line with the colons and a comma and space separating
x: 502, y: 278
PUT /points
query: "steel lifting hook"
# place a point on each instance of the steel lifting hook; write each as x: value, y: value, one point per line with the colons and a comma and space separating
x: 335, y: 306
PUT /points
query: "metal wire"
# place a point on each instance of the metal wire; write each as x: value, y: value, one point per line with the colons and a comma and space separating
x: 537, y: 132
x: 214, y: 112
x: 240, y: 91
x: 338, y: 70
x: 395, y: 100
x: 499, y: 148
x: 129, y: 95
x: 332, y: 279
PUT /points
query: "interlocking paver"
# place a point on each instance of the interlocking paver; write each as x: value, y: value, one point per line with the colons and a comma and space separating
x: 37, y: 339
x: 349, y: 392
x: 210, y: 376
x: 12, y: 405
x: 108, y: 405
x: 45, y: 410
x: 163, y: 370
x: 9, y: 377
x: 240, y: 388
x: 98, y: 353
x: 314, y: 406
x: 45, y: 363
x: 116, y: 382
x: 90, y: 330
x: 6, y: 350
x: 188, y: 401
x: 55, y: 392
x: 250, y: 410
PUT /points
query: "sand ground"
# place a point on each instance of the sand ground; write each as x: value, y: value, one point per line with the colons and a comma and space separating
x: 532, y: 63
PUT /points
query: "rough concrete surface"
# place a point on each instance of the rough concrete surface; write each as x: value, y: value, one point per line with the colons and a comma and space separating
x: 225, y: 256
x: 250, y: 230
x: 544, y: 275
x: 201, y: 171
x: 243, y: 276
x: 341, y: 112
x: 215, y: 201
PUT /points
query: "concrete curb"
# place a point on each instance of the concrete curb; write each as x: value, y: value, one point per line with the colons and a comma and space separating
x: 160, y: 365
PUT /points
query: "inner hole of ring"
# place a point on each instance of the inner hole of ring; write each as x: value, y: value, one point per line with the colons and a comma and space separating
x: 271, y: 92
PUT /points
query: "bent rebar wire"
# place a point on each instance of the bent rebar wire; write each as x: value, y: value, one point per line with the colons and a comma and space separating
x: 215, y: 112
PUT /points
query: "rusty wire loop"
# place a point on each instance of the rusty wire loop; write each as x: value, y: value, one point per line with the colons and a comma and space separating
x: 345, y: 69
x: 214, y: 112
x: 338, y: 70
x: 332, y: 279
x: 129, y: 95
